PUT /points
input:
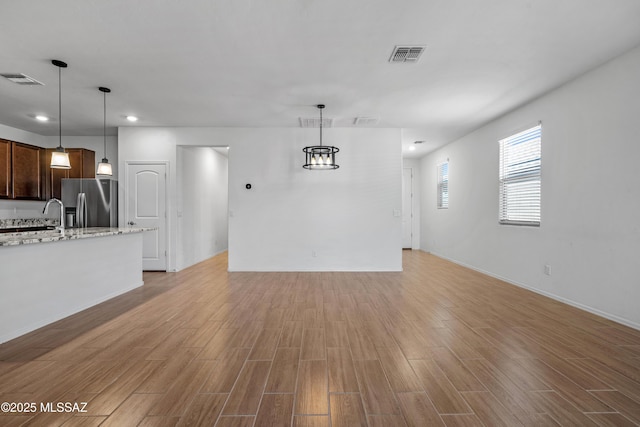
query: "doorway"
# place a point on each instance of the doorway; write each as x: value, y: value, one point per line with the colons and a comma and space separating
x: 202, y: 203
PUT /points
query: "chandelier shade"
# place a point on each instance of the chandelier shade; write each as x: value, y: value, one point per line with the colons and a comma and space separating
x: 60, y: 159
x: 104, y: 168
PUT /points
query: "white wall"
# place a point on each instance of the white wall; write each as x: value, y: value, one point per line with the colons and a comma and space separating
x: 202, y: 203
x: 345, y: 216
x: 590, y: 230
x: 19, y: 135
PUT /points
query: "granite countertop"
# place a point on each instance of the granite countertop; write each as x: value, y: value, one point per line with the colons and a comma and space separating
x: 27, y: 222
x: 30, y: 237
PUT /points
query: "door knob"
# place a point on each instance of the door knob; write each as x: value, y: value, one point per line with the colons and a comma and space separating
x: 131, y: 223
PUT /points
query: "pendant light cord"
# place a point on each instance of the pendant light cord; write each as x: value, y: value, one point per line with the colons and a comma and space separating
x: 104, y: 124
x: 320, y: 126
x: 59, y: 107
x: 320, y: 107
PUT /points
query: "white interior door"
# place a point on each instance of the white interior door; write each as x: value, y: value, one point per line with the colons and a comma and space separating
x: 146, y: 207
x: 407, y: 208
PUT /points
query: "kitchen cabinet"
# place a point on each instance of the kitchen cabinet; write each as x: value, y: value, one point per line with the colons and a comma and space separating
x: 26, y: 171
x: 83, y: 165
x: 5, y: 169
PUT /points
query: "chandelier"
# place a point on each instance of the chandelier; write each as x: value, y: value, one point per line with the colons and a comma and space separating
x: 320, y: 157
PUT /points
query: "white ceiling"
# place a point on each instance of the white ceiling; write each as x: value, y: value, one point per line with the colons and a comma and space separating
x: 267, y: 63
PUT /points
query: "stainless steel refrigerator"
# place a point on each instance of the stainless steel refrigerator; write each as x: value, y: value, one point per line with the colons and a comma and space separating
x: 90, y: 202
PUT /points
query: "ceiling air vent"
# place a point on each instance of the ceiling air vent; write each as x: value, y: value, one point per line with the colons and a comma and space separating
x: 406, y: 53
x: 315, y: 122
x: 21, y: 79
x: 366, y: 121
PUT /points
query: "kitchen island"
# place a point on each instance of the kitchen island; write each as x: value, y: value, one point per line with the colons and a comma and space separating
x: 48, y: 275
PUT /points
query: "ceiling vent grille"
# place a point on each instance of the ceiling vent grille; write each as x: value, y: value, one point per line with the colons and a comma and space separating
x: 406, y: 53
x: 21, y: 79
x: 366, y: 121
x: 315, y: 122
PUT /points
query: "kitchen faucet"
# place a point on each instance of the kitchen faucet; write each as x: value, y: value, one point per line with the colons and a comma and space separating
x: 46, y: 208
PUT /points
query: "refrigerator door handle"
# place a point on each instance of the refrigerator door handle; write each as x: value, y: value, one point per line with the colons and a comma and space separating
x: 79, y: 220
x: 85, y: 220
x: 81, y: 210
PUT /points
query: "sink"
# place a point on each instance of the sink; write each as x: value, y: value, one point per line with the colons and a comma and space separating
x: 26, y: 229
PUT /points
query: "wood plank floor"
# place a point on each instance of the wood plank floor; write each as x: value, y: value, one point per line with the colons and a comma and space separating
x: 435, y: 345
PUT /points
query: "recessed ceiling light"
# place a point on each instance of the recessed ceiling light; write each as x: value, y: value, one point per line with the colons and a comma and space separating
x: 42, y: 118
x: 132, y: 118
x: 412, y: 148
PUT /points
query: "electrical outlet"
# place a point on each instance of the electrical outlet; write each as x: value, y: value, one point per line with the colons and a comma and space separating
x: 547, y: 269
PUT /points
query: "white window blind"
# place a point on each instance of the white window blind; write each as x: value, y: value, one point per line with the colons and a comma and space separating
x: 443, y: 185
x: 520, y: 161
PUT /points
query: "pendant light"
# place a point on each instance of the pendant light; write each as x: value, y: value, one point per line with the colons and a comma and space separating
x: 60, y: 158
x: 104, y: 167
x: 320, y: 157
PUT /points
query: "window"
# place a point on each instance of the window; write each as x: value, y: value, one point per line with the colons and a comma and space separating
x: 520, y: 160
x: 443, y: 185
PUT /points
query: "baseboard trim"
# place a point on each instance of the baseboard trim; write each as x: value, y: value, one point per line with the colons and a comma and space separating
x: 592, y: 310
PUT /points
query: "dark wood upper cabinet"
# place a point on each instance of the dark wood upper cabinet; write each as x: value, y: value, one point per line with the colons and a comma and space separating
x: 25, y: 172
x: 5, y: 169
x: 26, y: 177
x: 83, y: 165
